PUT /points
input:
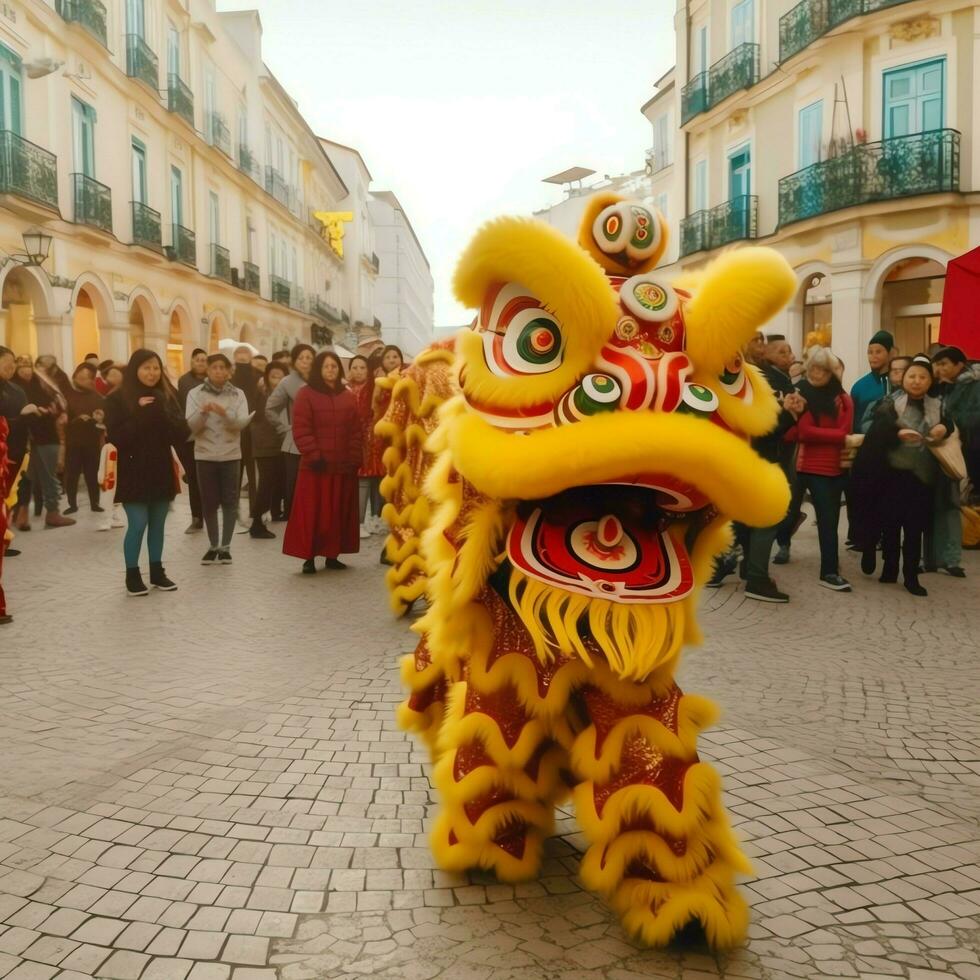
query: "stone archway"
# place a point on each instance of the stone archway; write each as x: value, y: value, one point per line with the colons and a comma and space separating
x: 912, y: 301
x: 91, y: 316
x: 144, y: 324
x: 219, y: 330
x: 25, y: 298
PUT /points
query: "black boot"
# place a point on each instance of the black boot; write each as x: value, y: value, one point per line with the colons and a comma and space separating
x: 158, y: 578
x: 259, y: 530
x: 134, y: 583
x: 912, y: 585
x: 309, y: 566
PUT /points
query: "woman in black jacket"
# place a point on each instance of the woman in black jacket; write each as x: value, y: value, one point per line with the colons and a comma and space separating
x: 83, y: 437
x: 143, y: 422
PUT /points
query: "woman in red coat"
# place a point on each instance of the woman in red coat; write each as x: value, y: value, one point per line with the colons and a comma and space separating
x: 328, y: 434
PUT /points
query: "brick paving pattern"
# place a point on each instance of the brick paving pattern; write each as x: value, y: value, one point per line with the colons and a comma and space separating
x: 210, y: 784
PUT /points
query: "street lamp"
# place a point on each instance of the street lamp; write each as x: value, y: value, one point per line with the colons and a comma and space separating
x: 37, y: 244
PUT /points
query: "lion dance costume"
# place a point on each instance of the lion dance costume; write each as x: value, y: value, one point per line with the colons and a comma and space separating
x: 560, y: 478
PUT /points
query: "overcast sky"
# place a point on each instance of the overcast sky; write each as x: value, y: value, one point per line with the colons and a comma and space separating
x: 461, y: 107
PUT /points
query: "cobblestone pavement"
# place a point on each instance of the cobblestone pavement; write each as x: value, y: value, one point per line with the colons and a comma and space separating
x: 210, y: 784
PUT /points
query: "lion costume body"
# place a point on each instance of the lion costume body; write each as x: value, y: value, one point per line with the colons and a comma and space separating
x: 559, y: 481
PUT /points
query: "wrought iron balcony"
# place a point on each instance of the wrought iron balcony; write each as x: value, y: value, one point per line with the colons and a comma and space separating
x: 146, y: 227
x: 810, y: 19
x: 694, y: 233
x: 183, y: 246
x: 322, y: 309
x: 93, y: 202
x: 141, y: 62
x: 253, y: 280
x: 248, y: 164
x: 903, y: 166
x: 694, y: 97
x: 297, y: 299
x: 219, y: 135
x: 737, y: 70
x: 280, y: 290
x: 220, y: 263
x: 275, y: 184
x: 91, y: 14
x: 180, y: 98
x: 734, y: 220
x: 27, y: 170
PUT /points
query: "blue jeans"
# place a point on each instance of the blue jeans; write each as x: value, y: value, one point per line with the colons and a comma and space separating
x: 826, y: 491
x: 148, y: 519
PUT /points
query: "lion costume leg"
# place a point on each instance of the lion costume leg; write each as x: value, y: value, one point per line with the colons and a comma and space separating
x: 661, y: 850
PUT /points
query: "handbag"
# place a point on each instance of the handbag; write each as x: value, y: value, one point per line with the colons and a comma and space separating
x: 949, y: 455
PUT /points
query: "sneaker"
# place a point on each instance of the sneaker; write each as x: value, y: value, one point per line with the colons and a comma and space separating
x: 724, y: 567
x: 260, y: 531
x: 954, y: 570
x: 782, y: 555
x: 158, y: 578
x: 765, y: 591
x: 195, y: 525
x: 835, y: 582
x: 334, y: 564
x: 224, y: 556
x: 71, y: 510
x: 106, y: 526
x: 365, y: 533
x: 96, y: 509
x: 210, y: 557
x: 309, y: 566
x: 135, y: 585
x: 912, y: 585
x: 117, y: 516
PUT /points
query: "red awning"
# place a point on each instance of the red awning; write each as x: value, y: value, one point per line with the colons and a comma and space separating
x: 960, y: 323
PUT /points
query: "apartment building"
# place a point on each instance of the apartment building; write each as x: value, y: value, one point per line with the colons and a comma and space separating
x: 175, y: 180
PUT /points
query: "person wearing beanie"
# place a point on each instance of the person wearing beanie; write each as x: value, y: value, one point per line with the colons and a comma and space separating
x: 193, y: 378
x: 874, y: 385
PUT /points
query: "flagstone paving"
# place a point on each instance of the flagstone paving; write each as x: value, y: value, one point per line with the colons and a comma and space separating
x: 210, y: 784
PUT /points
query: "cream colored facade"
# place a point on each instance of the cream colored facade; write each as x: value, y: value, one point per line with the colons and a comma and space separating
x: 854, y: 143
x: 168, y: 104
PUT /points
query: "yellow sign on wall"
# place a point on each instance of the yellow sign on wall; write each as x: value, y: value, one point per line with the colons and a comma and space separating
x: 333, y: 228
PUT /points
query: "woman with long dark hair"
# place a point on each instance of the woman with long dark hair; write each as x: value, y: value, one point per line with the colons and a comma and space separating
x: 45, y: 408
x: 83, y: 437
x: 327, y: 432
x: 267, y: 448
x: 144, y: 422
x: 821, y: 431
x: 360, y: 381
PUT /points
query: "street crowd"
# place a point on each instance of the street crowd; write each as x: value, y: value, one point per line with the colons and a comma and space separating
x: 900, y: 453
x: 901, y: 450
x: 296, y: 427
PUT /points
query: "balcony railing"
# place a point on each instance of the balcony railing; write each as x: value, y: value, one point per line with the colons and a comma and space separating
x: 732, y: 221
x: 93, y: 202
x: 219, y: 135
x: 903, y: 166
x: 297, y: 299
x: 810, y: 19
x: 91, y: 14
x: 737, y: 70
x: 252, y: 279
x: 180, y: 98
x: 694, y: 97
x: 322, y: 309
x: 248, y: 164
x: 275, y: 184
x: 183, y: 245
x: 146, y: 227
x: 280, y: 290
x: 27, y: 170
x: 220, y: 263
x: 141, y: 62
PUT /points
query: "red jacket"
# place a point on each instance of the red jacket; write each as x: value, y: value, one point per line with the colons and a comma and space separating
x: 821, y: 443
x: 327, y: 427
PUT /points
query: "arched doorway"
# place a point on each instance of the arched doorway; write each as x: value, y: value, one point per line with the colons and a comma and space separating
x: 85, y: 324
x: 23, y: 300
x: 138, y: 322
x: 911, y: 302
x: 175, y: 345
x: 818, y: 320
x: 220, y: 329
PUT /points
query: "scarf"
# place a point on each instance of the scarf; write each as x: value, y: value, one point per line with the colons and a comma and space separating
x: 821, y: 402
x: 212, y: 390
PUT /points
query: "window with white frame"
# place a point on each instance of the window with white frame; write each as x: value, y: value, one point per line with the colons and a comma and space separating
x: 661, y: 142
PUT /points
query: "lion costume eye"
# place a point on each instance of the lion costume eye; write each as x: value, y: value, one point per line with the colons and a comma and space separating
x: 628, y: 228
x: 520, y: 337
x: 594, y: 394
x: 733, y: 378
x: 649, y: 299
x: 699, y: 400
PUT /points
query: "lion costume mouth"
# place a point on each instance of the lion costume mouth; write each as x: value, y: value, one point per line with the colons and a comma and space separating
x: 626, y: 541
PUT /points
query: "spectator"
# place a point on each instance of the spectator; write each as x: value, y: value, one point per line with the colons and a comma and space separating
x: 45, y: 408
x: 185, y: 451
x: 796, y: 372
x: 13, y: 401
x: 279, y: 411
x: 112, y: 377
x: 282, y: 356
x: 246, y: 378
x: 92, y: 359
x: 217, y: 411
x: 267, y: 447
x: 959, y: 390
x: 5, y: 479
x: 100, y: 383
x: 821, y: 431
x: 755, y: 349
x: 143, y: 422
x: 47, y: 365
x: 84, y: 435
x: 904, y: 426
x: 260, y: 362
x: 874, y: 385
x: 327, y: 433
x: 361, y: 384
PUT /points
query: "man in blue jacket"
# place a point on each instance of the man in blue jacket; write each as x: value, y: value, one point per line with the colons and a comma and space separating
x: 874, y: 385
